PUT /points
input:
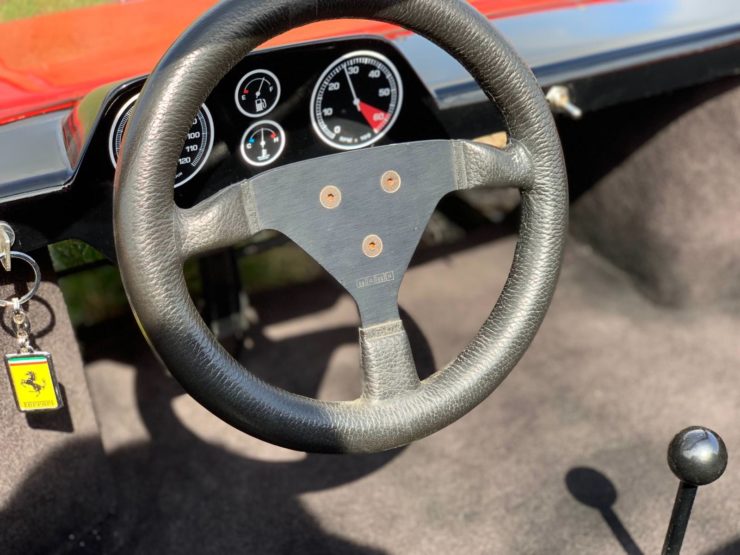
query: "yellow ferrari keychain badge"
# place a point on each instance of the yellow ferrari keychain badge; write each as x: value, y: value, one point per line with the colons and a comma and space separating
x: 34, y: 383
x: 31, y: 373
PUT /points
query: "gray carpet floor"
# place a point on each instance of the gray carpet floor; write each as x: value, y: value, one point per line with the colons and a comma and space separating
x: 567, y: 456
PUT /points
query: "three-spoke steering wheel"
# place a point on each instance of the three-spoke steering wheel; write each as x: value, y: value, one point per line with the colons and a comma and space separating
x: 360, y: 214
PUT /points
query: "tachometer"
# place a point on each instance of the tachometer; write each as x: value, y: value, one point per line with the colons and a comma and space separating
x: 194, y: 154
x: 356, y: 100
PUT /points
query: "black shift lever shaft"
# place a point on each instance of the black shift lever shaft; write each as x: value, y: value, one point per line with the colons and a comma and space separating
x: 697, y: 456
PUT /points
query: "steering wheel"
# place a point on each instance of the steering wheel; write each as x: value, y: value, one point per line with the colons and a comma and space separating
x: 360, y: 214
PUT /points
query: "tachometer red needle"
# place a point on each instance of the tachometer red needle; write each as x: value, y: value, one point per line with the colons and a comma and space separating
x: 375, y: 118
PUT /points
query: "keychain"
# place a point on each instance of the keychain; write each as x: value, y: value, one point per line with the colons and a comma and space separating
x: 31, y: 372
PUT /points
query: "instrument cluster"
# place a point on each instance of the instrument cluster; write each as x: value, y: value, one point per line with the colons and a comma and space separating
x: 287, y: 104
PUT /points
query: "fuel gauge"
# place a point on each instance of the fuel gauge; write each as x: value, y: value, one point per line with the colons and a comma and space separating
x: 258, y: 93
x: 263, y: 143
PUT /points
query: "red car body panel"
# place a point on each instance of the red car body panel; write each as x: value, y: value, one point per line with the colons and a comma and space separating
x: 48, y: 62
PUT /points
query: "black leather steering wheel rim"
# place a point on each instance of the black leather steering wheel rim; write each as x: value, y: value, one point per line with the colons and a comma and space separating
x: 149, y: 230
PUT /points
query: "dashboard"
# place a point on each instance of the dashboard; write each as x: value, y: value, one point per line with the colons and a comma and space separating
x: 277, y: 107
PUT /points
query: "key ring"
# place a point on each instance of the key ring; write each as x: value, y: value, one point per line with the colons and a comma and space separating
x: 36, y: 277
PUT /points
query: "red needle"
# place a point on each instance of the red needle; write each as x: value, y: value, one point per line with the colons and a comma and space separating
x: 375, y: 118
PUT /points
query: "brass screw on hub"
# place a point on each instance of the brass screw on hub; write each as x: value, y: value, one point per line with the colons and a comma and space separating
x: 372, y: 246
x: 330, y: 197
x: 390, y: 182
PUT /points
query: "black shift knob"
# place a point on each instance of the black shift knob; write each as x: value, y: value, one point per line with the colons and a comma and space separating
x: 697, y: 456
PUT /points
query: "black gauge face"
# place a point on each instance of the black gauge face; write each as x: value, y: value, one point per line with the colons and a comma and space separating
x: 356, y: 100
x: 198, y: 144
x: 263, y: 143
x: 258, y: 93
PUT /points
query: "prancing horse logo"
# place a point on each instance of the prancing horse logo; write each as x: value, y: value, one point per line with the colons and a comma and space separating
x: 30, y: 381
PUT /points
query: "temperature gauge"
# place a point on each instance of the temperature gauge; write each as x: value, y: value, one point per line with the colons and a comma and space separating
x: 263, y: 143
x: 258, y: 93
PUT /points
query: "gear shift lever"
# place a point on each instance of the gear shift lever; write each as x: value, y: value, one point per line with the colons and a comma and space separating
x: 697, y: 456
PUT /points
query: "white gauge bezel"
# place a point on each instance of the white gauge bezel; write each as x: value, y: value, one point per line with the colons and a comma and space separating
x: 279, y: 153
x: 122, y: 112
x: 399, y: 83
x: 239, y: 87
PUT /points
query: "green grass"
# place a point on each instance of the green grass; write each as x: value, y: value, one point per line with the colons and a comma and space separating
x: 96, y: 295
x: 19, y: 9
x: 279, y: 267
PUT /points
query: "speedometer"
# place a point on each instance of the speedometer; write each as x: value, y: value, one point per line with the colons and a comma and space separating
x: 195, y: 152
x: 356, y: 100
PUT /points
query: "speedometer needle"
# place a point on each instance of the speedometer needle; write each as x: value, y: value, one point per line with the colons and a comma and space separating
x: 356, y: 100
x: 374, y: 117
